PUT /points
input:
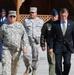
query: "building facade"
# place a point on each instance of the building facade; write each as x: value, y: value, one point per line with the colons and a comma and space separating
x: 44, y: 6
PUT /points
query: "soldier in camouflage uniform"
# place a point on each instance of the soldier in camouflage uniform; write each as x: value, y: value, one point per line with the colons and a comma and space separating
x: 14, y: 39
x: 33, y: 26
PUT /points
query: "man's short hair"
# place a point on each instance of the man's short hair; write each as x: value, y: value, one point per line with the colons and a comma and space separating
x: 63, y: 10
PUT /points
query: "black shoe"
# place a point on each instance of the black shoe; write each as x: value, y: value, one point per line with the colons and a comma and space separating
x: 28, y: 70
x: 62, y: 73
x: 0, y: 60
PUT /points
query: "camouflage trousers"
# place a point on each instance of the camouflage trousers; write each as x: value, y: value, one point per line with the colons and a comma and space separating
x: 27, y: 57
x: 10, y: 61
x: 35, y: 56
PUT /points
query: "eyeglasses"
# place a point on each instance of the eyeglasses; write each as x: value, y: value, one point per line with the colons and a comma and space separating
x: 13, y: 16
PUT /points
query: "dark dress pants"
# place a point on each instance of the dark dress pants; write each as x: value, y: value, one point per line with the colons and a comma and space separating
x: 67, y: 63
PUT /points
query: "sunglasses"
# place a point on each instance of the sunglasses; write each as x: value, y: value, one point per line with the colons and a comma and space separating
x: 13, y: 16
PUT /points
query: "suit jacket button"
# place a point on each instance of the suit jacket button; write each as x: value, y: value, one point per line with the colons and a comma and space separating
x: 64, y: 42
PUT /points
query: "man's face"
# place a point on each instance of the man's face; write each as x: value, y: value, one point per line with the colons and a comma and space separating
x: 33, y: 15
x: 64, y: 16
x: 3, y: 14
x: 12, y: 19
x: 54, y: 18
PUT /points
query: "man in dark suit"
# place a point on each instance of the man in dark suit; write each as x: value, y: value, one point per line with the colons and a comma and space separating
x: 3, y: 20
x: 63, y: 31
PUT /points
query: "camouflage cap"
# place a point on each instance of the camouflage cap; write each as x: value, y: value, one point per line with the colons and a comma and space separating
x: 33, y: 9
x: 12, y: 13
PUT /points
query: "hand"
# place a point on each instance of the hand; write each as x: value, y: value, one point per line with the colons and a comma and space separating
x: 43, y: 48
x: 45, y: 43
x: 24, y: 51
x: 72, y: 52
x: 50, y: 51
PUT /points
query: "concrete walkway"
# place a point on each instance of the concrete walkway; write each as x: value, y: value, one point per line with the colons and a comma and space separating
x: 43, y: 66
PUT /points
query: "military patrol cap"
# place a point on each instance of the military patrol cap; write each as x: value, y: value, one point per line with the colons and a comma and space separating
x: 12, y: 13
x: 54, y: 12
x: 3, y: 11
x: 33, y: 9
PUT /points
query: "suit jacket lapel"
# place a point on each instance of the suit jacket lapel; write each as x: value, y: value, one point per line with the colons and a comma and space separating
x: 60, y: 28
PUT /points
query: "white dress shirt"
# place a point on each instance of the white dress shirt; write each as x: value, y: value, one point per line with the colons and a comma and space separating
x: 2, y: 19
